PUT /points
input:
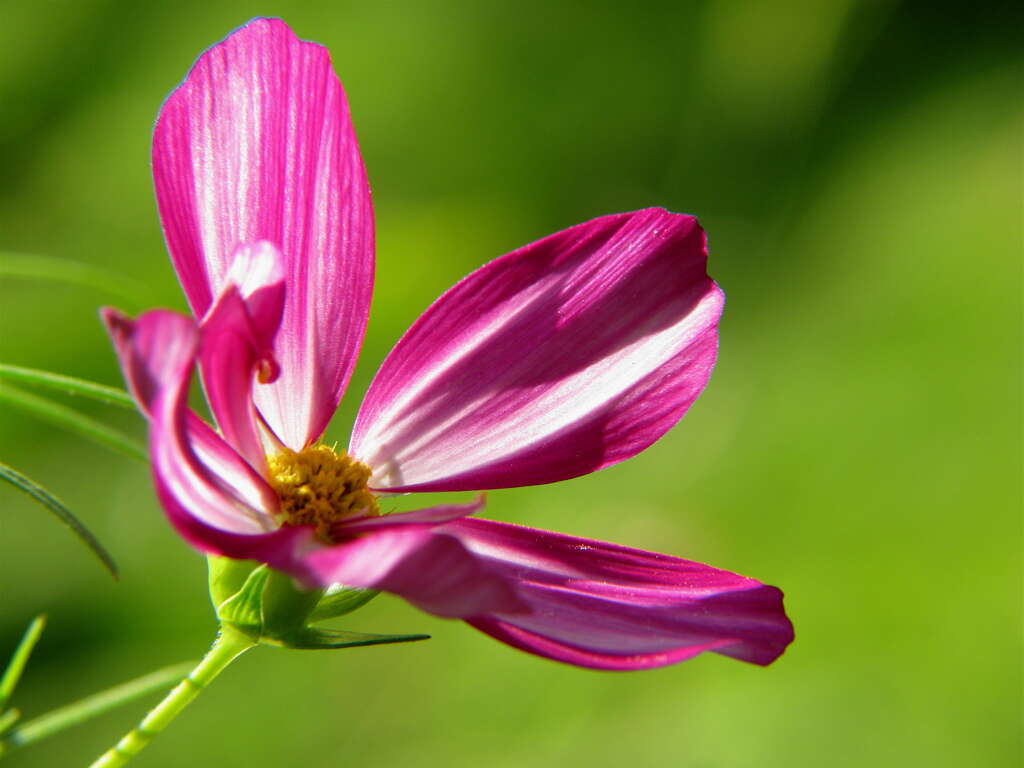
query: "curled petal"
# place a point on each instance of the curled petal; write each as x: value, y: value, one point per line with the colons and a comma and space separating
x: 237, y: 334
x: 228, y: 361
x: 257, y: 144
x: 158, y: 353
x: 213, y: 452
x: 564, y: 357
x: 604, y: 606
x: 257, y: 270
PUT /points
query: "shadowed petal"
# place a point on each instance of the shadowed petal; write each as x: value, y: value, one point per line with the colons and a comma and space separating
x: 417, y: 517
x: 257, y: 144
x: 605, y: 606
x: 566, y: 356
x: 431, y: 570
x: 228, y: 466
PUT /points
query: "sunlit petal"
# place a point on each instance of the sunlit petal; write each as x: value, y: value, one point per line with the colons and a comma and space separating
x: 571, y: 354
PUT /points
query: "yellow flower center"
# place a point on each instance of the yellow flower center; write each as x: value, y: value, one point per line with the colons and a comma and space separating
x: 318, y: 486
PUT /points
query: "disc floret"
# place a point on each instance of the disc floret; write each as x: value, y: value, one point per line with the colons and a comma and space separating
x: 322, y: 487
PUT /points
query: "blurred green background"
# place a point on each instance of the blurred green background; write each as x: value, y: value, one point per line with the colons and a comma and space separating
x: 858, y: 169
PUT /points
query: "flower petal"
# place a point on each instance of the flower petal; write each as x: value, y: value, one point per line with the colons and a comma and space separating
x: 257, y: 144
x: 566, y: 356
x: 610, y: 607
x: 433, y: 515
x: 432, y: 570
x: 228, y: 361
x: 237, y: 334
x: 258, y: 271
x: 223, y: 461
x: 158, y: 353
x: 212, y: 451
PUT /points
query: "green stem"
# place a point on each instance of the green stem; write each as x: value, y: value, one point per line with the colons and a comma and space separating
x: 228, y: 646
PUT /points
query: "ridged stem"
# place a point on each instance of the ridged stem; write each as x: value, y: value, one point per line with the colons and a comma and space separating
x: 228, y: 646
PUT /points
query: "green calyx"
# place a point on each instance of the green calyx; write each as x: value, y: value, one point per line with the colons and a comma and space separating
x: 272, y: 609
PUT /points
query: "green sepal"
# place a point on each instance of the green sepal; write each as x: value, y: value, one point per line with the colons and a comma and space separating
x: 339, y: 600
x: 286, y: 606
x: 243, y: 609
x: 311, y: 639
x: 271, y: 608
x: 227, y: 578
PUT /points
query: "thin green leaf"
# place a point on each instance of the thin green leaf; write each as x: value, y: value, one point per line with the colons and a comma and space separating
x: 8, y: 719
x: 19, y: 659
x: 310, y: 639
x: 34, y: 267
x: 68, y: 384
x: 91, y: 706
x: 72, y: 420
x: 61, y: 512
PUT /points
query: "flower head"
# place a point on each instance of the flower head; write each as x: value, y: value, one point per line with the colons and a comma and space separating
x: 564, y: 357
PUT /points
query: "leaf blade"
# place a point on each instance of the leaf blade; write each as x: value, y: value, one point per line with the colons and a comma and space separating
x: 72, y: 420
x: 25, y: 484
x: 12, y: 674
x: 67, y: 384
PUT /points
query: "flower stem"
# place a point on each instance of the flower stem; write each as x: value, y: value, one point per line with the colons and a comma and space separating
x: 228, y: 646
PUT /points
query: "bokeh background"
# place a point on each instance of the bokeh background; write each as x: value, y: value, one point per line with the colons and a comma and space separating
x: 858, y: 168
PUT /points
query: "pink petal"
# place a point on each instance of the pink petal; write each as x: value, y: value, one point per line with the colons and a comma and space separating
x: 257, y: 144
x: 237, y: 334
x: 431, y: 570
x: 432, y: 515
x: 228, y: 361
x: 228, y: 466
x: 158, y: 354
x: 564, y: 357
x: 605, y: 606
x: 223, y: 461
x: 258, y: 271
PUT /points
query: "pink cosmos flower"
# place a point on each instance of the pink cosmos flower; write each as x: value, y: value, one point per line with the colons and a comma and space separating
x: 564, y: 357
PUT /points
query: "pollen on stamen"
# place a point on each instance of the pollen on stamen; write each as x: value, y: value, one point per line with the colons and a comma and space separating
x: 321, y: 487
